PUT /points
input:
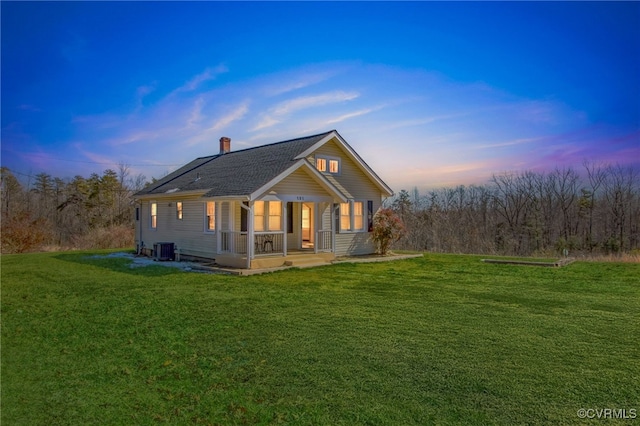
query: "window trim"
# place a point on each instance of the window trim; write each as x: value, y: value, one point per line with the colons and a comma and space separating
x: 327, y: 169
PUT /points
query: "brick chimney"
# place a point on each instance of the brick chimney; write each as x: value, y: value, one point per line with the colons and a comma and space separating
x: 225, y: 145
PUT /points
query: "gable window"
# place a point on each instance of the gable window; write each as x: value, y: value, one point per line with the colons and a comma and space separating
x: 153, y: 216
x: 321, y: 164
x: 267, y: 216
x: 179, y: 210
x: 210, y: 216
x: 352, y: 216
x: 328, y: 164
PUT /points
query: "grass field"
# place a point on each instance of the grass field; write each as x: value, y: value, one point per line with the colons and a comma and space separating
x: 443, y: 339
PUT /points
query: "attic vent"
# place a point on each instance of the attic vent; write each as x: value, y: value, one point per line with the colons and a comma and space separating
x: 172, y: 190
x: 197, y: 177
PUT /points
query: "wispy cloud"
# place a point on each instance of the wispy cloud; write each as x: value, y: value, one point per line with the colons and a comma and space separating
x: 513, y: 142
x: 421, y: 121
x: 354, y: 114
x: 304, y: 102
x: 141, y: 93
x: 286, y: 108
x: 299, y: 81
x: 206, y: 75
x: 234, y: 115
x: 196, y: 112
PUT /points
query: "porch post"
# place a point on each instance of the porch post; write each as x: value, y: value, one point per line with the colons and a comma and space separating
x: 284, y: 228
x: 333, y: 226
x: 250, y: 237
x: 218, y: 224
x: 315, y: 227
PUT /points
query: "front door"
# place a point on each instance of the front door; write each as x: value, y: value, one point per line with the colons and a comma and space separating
x: 307, y: 225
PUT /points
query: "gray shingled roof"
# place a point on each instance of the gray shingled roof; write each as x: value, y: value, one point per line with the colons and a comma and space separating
x: 234, y: 173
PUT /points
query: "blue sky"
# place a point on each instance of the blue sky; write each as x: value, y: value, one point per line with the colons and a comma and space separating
x: 430, y: 94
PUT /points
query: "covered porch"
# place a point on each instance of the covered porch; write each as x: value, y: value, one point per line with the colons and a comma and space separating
x: 275, y: 231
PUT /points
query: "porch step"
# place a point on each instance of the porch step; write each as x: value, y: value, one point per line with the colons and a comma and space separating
x: 306, y: 263
x: 294, y: 260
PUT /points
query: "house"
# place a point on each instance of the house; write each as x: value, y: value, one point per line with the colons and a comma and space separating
x: 265, y: 206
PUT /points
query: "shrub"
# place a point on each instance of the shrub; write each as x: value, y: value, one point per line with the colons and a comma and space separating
x: 22, y: 233
x: 116, y: 236
x: 387, y: 229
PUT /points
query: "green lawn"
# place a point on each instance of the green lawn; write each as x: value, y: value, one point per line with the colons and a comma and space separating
x: 443, y: 339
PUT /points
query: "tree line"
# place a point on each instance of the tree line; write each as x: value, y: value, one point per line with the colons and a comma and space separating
x: 52, y: 213
x: 595, y: 211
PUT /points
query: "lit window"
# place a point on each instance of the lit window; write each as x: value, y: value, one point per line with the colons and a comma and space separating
x: 328, y: 164
x: 275, y: 215
x: 267, y: 216
x: 358, y: 216
x: 179, y: 210
x: 154, y: 215
x: 334, y: 166
x: 345, y: 217
x: 210, y: 224
x: 258, y: 216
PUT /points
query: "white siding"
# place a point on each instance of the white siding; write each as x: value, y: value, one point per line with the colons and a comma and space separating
x: 351, y: 178
x: 299, y: 183
x: 356, y: 184
x: 188, y: 234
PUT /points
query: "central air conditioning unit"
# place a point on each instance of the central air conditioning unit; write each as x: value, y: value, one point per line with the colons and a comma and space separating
x: 164, y: 251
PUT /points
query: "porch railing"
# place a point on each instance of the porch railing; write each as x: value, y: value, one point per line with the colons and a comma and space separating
x: 324, y: 241
x: 233, y: 242
x: 267, y: 243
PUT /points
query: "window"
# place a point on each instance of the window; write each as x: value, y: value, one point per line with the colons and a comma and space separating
x: 258, y: 216
x: 179, y: 210
x: 352, y: 216
x: 153, y: 216
x: 210, y: 222
x: 358, y: 216
x: 328, y: 164
x: 267, y: 216
x: 275, y: 215
x: 345, y: 217
x: 334, y: 166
